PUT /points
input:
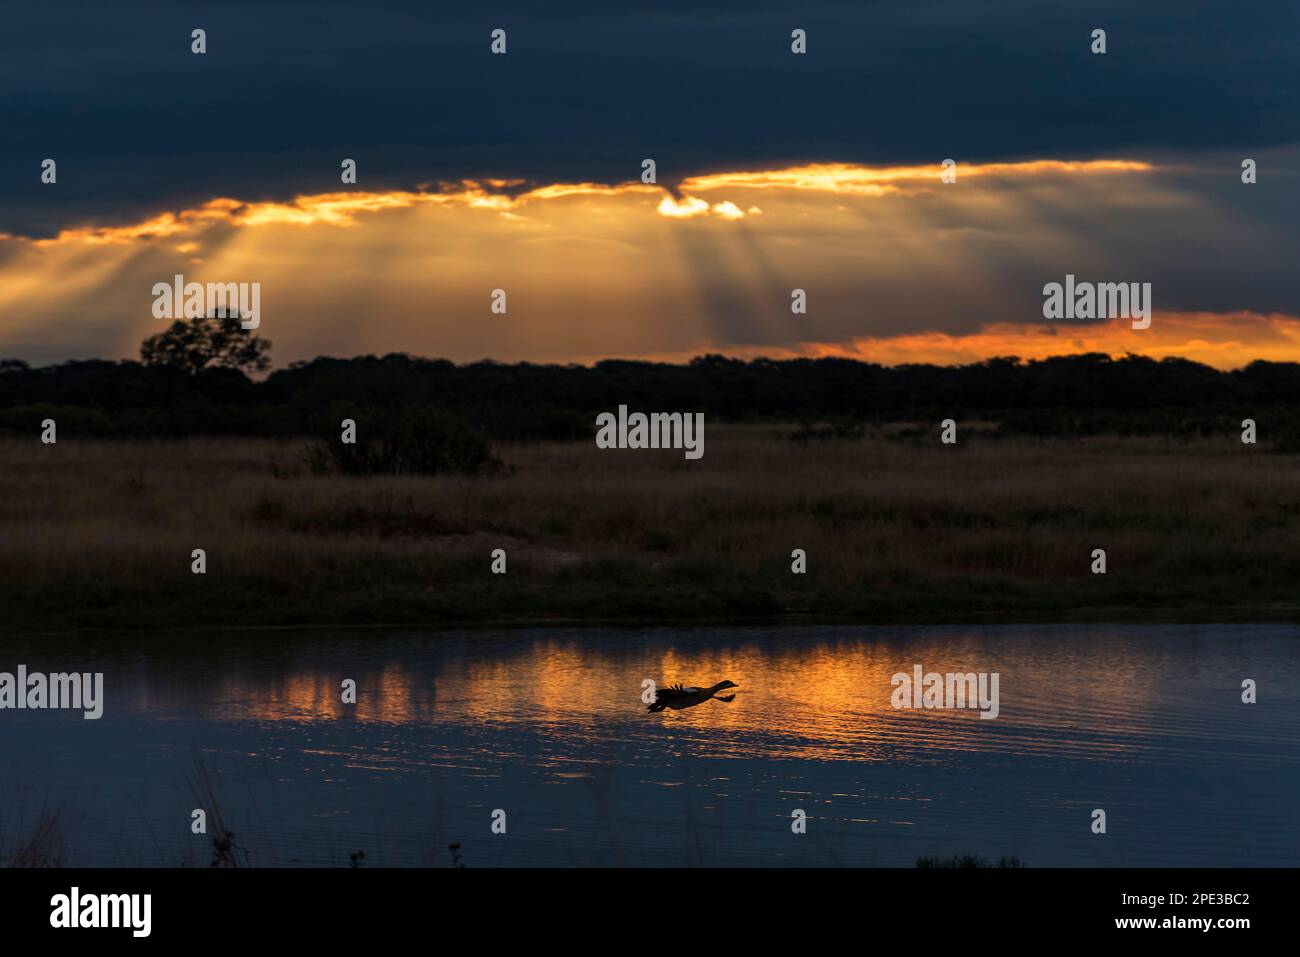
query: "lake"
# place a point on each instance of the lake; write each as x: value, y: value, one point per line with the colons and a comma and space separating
x: 549, y: 727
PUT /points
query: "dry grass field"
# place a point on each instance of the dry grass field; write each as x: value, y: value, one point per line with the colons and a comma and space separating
x: 100, y: 534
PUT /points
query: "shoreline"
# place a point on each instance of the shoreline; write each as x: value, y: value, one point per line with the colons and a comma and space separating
x: 1135, y: 615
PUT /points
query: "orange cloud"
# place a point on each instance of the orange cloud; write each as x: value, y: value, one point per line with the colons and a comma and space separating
x: 340, y: 209
x: 594, y: 269
x: 1222, y: 340
x: 682, y: 209
x: 876, y: 181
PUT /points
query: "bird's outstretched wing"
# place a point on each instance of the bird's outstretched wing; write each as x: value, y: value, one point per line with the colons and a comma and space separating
x: 664, y: 695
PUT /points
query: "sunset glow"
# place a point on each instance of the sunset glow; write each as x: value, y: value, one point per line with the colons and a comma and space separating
x: 898, y: 267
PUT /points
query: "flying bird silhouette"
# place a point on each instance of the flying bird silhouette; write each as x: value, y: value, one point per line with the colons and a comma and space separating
x: 676, y: 697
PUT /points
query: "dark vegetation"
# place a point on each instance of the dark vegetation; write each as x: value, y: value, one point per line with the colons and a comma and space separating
x: 1067, y: 397
x: 218, y: 342
x: 1055, y: 458
x: 963, y: 861
x: 410, y: 441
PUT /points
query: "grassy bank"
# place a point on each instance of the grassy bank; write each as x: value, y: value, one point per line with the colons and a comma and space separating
x: 99, y: 534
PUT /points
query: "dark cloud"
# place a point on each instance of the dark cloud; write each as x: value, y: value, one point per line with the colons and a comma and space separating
x: 410, y: 90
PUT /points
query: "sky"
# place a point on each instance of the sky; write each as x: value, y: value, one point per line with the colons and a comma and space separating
x: 776, y: 171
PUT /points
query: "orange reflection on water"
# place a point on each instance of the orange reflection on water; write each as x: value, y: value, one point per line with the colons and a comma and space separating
x: 827, y: 700
x: 390, y: 695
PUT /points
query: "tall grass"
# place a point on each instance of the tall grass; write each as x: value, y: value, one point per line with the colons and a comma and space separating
x: 101, y: 533
x: 43, y: 845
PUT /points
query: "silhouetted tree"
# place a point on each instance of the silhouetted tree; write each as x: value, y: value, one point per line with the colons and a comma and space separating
x: 192, y: 382
x: 207, y: 341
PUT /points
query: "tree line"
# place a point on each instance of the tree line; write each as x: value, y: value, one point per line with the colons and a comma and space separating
x: 171, y: 392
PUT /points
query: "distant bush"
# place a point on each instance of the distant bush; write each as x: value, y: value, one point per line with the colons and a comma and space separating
x: 827, y: 431
x: 966, y: 860
x: 413, y: 441
x: 72, y: 421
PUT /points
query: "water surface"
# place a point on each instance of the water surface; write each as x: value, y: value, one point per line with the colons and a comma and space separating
x: 548, y: 726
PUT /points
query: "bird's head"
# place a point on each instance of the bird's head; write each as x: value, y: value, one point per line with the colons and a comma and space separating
x: 728, y: 684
